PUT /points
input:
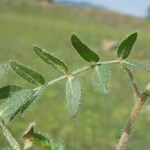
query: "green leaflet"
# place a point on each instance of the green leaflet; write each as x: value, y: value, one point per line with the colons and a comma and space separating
x: 85, y: 52
x: 27, y: 74
x: 126, y: 46
x: 43, y: 141
x: 51, y: 59
x: 73, y: 94
x: 100, y: 78
x: 14, y: 104
x: 17, y: 103
x: 37, y: 93
x: 133, y: 65
x: 4, y: 69
x: 8, y: 91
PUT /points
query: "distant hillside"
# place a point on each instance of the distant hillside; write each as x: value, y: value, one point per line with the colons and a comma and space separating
x: 80, y: 3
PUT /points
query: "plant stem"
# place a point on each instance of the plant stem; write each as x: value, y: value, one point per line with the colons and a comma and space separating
x: 133, y: 116
x: 136, y: 91
x: 11, y: 140
x: 127, y: 130
x: 80, y: 70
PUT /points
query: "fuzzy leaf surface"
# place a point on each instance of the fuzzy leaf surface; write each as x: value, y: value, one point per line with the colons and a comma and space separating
x: 37, y: 93
x: 51, y: 59
x: 73, y: 94
x: 9, y: 90
x: 126, y: 46
x: 15, y: 104
x: 27, y: 73
x: 101, y: 76
x: 4, y: 69
x: 133, y: 65
x: 85, y: 52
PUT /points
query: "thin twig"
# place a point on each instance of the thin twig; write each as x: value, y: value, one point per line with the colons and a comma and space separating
x: 10, y: 138
x: 136, y: 91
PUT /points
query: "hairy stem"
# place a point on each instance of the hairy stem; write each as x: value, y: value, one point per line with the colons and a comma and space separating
x: 131, y: 121
x: 127, y: 130
x: 80, y: 70
x: 136, y: 91
x: 11, y: 140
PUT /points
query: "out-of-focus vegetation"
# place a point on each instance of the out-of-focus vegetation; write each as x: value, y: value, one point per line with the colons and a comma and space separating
x: 99, y: 124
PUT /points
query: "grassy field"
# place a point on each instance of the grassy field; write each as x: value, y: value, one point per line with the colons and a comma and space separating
x: 102, y: 117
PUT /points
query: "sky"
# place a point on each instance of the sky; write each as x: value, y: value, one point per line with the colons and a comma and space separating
x: 132, y: 7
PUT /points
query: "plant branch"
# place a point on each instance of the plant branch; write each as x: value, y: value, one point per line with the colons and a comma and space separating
x: 80, y: 70
x: 133, y: 116
x: 11, y: 140
x: 136, y: 91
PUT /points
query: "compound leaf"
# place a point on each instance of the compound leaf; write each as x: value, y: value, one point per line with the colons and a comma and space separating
x: 101, y: 76
x: 126, y: 46
x: 8, y: 91
x: 85, y: 52
x: 133, y: 65
x: 73, y: 94
x: 27, y: 74
x: 4, y: 69
x: 51, y: 59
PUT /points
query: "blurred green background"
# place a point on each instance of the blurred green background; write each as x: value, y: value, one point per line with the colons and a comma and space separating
x: 101, y: 117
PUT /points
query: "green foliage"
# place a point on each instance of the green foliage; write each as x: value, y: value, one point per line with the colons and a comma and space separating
x: 17, y: 103
x: 41, y: 140
x: 51, y: 59
x: 73, y: 94
x: 60, y: 21
x: 8, y: 91
x: 126, y: 46
x: 57, y: 45
x: 27, y: 74
x: 85, y: 52
x: 100, y: 77
x: 32, y: 137
x: 133, y: 65
x: 45, y: 142
x: 37, y: 93
x: 3, y: 70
